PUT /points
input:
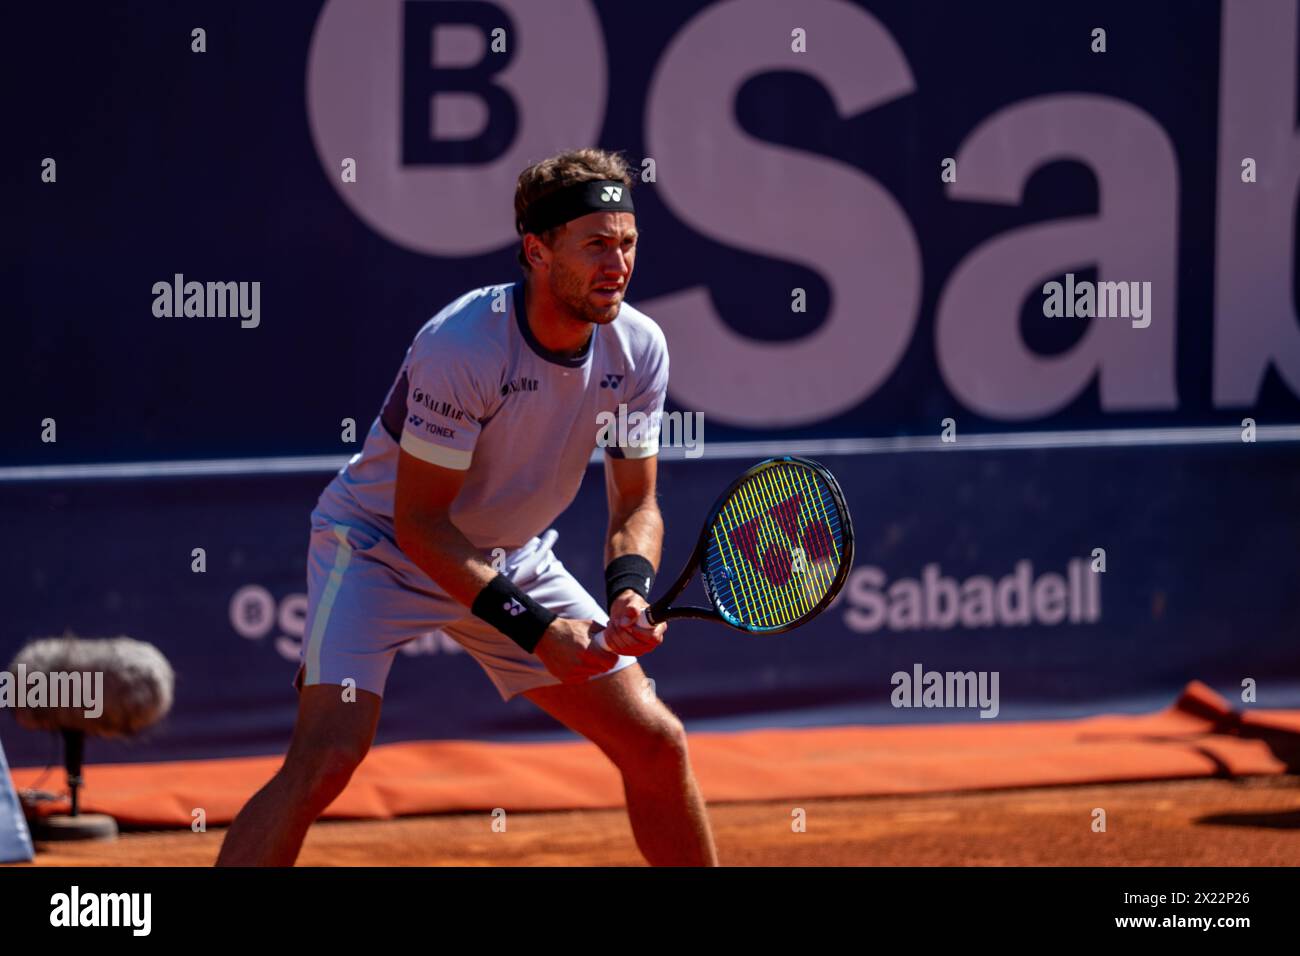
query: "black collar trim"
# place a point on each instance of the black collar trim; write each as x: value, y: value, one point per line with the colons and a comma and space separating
x: 556, y: 358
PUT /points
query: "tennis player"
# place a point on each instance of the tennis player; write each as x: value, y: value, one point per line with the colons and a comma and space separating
x: 441, y: 522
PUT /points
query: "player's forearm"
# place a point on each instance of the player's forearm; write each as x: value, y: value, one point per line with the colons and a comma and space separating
x: 442, y: 552
x: 640, y: 530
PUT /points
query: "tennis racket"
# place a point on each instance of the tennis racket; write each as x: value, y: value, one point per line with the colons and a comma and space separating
x: 773, y: 554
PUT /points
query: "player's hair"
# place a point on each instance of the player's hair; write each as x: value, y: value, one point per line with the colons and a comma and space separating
x: 566, y: 169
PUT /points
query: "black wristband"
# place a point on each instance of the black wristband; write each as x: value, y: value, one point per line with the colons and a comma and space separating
x: 628, y: 572
x: 512, y: 612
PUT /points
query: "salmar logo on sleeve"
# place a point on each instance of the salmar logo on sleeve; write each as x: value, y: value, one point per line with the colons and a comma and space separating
x: 438, y: 406
x: 519, y: 385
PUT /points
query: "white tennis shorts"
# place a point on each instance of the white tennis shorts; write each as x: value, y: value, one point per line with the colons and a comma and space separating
x: 366, y: 598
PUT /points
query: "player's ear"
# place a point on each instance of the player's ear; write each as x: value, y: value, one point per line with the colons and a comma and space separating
x: 533, y: 251
x: 542, y: 248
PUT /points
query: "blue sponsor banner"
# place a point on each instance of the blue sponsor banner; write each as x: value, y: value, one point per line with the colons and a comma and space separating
x: 967, y: 561
x: 853, y: 217
x: 860, y: 201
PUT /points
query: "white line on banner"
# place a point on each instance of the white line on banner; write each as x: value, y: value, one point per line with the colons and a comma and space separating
x: 716, y: 451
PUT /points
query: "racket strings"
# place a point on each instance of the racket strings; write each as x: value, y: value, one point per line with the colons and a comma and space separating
x: 799, y: 485
x: 752, y: 569
x: 819, y: 572
x: 735, y: 566
x: 775, y: 607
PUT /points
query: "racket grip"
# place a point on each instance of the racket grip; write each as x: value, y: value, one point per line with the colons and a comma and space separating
x: 643, y: 621
x: 599, y: 640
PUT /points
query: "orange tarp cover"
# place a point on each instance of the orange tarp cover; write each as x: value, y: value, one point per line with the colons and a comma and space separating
x: 1198, y: 736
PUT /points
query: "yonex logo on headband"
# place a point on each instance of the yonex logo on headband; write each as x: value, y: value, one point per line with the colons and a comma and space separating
x: 579, y: 199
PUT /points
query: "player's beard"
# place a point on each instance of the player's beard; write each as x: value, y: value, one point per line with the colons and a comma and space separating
x: 571, y: 290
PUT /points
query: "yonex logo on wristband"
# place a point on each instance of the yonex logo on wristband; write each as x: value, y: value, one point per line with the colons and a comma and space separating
x: 512, y: 612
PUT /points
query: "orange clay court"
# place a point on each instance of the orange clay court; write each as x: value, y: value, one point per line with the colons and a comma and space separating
x: 1196, y: 784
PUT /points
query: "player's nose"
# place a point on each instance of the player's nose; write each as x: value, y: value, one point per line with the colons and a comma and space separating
x: 616, y: 264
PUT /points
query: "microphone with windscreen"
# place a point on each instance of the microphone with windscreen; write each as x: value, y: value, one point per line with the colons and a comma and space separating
x: 112, y: 687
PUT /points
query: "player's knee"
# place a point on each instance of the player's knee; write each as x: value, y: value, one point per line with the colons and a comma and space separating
x: 661, y: 746
x: 325, y: 771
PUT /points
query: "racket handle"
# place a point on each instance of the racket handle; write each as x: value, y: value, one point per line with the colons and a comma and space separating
x: 599, y: 640
x: 643, y: 621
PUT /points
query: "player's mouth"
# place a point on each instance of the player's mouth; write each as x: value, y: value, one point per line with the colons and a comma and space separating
x: 609, y: 291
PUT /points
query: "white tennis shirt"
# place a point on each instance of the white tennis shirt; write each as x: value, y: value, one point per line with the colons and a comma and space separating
x: 477, y: 392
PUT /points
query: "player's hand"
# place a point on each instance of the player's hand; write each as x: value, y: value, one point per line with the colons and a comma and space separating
x: 623, y: 634
x: 569, y: 653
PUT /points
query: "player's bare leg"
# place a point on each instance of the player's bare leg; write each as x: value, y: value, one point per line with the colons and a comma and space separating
x: 330, y: 739
x: 647, y: 743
